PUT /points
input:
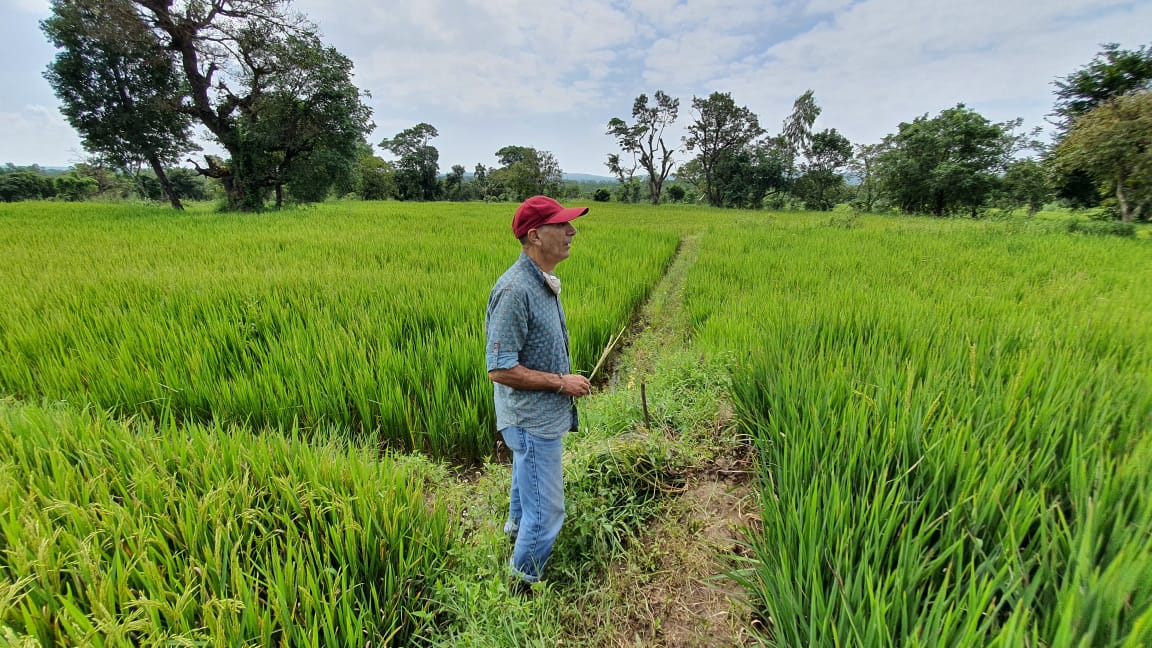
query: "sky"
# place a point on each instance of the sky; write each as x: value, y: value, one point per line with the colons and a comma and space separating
x: 551, y: 74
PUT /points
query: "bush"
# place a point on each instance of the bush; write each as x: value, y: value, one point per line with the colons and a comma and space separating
x: 25, y: 185
x: 602, y: 195
x: 1102, y: 228
x: 74, y: 187
x: 844, y: 216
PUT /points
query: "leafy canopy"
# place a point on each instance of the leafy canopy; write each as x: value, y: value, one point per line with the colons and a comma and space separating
x: 252, y: 73
x: 1113, y: 143
x: 946, y: 163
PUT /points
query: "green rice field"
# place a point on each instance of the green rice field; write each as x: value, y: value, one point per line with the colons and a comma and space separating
x: 367, y: 316
x: 955, y: 428
x: 219, y: 429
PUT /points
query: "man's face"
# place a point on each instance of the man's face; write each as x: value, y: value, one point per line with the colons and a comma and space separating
x: 555, y: 241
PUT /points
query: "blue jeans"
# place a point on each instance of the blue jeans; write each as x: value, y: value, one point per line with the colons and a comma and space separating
x: 536, y: 504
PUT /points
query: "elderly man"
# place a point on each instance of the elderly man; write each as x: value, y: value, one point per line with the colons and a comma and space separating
x: 527, y: 356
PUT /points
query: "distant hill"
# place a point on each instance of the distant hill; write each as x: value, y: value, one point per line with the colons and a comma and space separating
x: 568, y: 177
x: 587, y: 177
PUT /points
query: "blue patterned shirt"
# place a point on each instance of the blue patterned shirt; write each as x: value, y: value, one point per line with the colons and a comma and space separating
x: 525, y: 325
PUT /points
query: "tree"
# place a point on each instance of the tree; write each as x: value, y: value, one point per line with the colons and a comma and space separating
x: 525, y: 172
x: 720, y: 127
x: 74, y: 187
x: 863, y: 166
x: 377, y: 177
x: 821, y: 185
x: 1111, y: 73
x: 418, y: 166
x: 109, y: 182
x: 949, y: 162
x: 743, y: 177
x: 454, y: 183
x: 691, y: 174
x: 629, y: 189
x: 797, y: 132
x: 1113, y: 143
x: 1026, y: 183
x: 311, y: 125
x: 185, y: 183
x: 116, y: 87
x: 645, y: 139
x: 257, y: 77
x: 25, y: 184
x: 482, y: 183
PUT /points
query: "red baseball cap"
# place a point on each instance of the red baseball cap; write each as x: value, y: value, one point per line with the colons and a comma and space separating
x: 542, y: 210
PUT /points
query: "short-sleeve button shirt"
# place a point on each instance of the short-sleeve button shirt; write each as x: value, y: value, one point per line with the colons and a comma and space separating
x: 525, y: 325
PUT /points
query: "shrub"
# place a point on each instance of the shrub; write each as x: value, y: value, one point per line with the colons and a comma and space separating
x: 1102, y: 228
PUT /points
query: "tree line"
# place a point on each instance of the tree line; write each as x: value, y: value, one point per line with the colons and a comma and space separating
x: 956, y: 162
x: 136, y: 77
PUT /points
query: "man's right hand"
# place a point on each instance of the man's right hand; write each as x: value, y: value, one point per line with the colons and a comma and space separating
x: 574, y: 385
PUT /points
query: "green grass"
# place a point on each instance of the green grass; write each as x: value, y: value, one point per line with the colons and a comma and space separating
x: 618, y: 478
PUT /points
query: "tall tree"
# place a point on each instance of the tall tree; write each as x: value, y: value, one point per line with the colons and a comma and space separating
x: 720, y: 127
x: 454, y: 183
x: 1113, y: 143
x: 821, y: 185
x: 310, y: 124
x: 797, y: 131
x: 117, y: 88
x: 257, y: 77
x: 645, y: 139
x: 482, y: 183
x: 1113, y: 72
x: 525, y: 171
x: 1026, y: 183
x: 419, y: 162
x: 863, y: 166
x: 744, y: 177
x: 952, y: 161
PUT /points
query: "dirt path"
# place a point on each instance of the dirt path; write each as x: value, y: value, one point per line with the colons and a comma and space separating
x: 671, y: 590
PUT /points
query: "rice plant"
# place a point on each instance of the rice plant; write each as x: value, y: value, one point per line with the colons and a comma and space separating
x: 368, y: 316
x: 137, y: 534
x: 954, y: 425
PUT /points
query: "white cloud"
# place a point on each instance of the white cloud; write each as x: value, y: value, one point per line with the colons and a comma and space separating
x: 550, y: 74
x: 470, y: 57
x: 38, y: 135
x: 885, y: 61
x: 872, y: 63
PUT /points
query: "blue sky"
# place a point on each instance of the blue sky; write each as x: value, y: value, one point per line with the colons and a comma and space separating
x: 489, y: 73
